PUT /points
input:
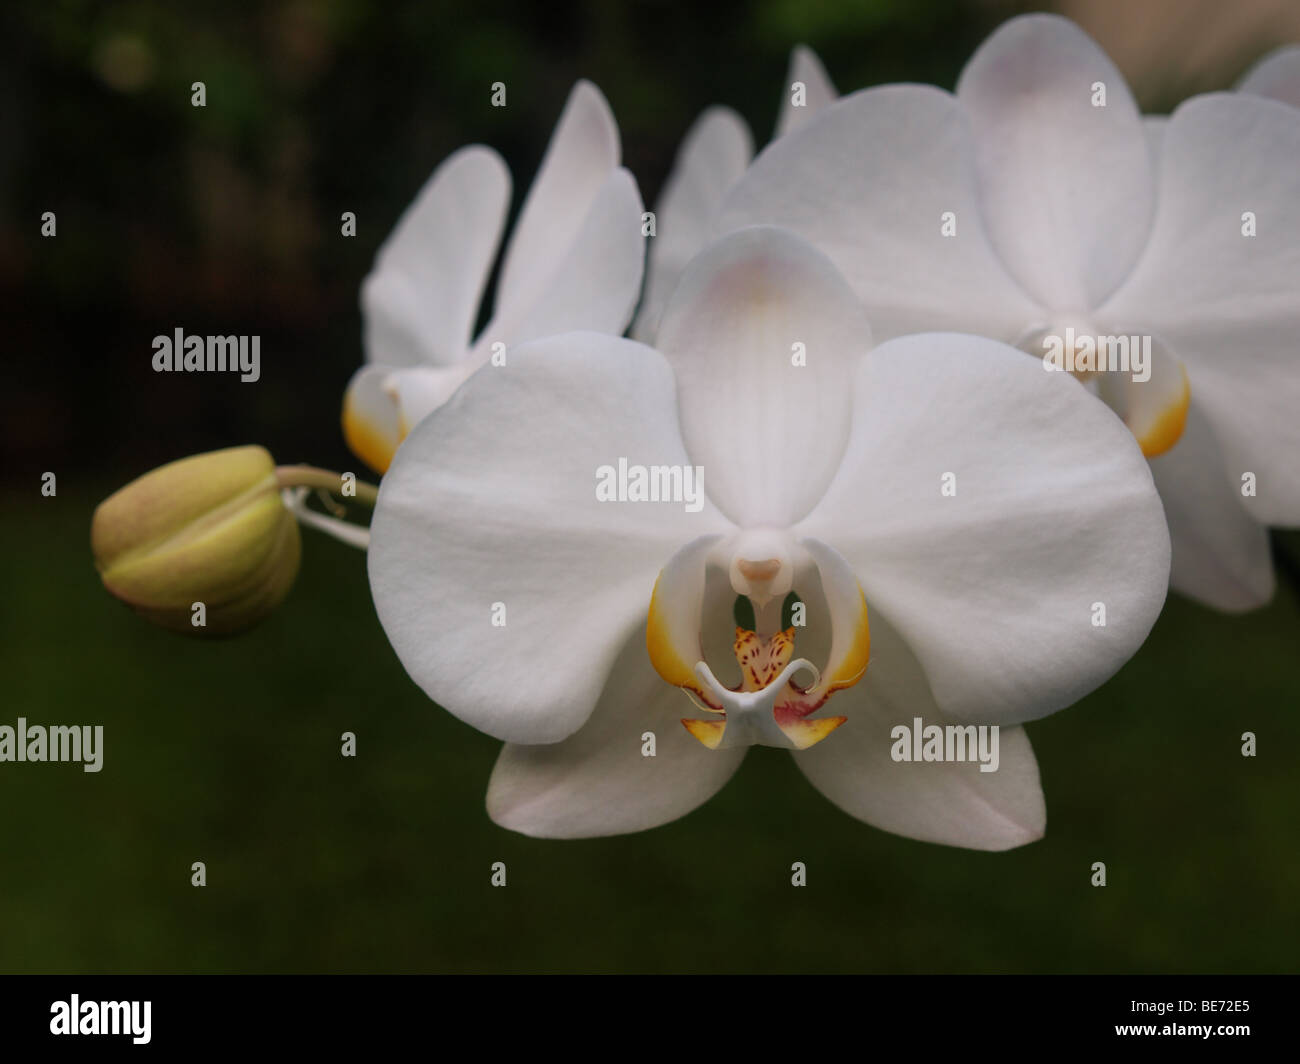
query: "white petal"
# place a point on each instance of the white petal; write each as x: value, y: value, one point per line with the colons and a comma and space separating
x: 1221, y: 554
x: 583, y: 152
x: 871, y: 182
x: 593, y: 282
x: 421, y: 299
x: 952, y: 803
x: 1153, y: 129
x: 1229, y: 304
x: 372, y: 420
x: 597, y: 782
x: 711, y: 159
x: 768, y: 430
x: 493, y: 500
x: 819, y: 92
x: 1276, y: 76
x: 1066, y: 187
x: 994, y: 587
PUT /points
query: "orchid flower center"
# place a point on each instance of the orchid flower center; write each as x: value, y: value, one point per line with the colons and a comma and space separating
x: 1150, y: 392
x: 776, y: 694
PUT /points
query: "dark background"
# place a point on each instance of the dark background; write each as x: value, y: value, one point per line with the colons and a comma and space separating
x: 226, y: 219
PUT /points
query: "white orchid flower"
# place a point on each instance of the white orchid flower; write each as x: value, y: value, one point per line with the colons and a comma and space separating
x: 1021, y: 207
x: 713, y: 156
x: 574, y: 261
x: 570, y: 627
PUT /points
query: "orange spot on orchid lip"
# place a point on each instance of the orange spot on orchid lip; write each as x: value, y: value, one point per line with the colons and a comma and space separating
x: 708, y: 732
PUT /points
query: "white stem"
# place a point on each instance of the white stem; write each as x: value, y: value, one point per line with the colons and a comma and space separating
x: 296, y: 500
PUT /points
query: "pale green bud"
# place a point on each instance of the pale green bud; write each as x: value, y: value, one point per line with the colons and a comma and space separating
x: 211, y: 529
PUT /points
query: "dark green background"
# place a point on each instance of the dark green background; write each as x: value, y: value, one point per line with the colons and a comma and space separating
x: 229, y: 752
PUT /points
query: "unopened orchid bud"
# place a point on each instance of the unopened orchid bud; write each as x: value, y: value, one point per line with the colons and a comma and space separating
x: 204, y: 545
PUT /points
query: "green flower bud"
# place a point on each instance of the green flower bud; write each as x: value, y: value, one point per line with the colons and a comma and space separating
x: 210, y: 529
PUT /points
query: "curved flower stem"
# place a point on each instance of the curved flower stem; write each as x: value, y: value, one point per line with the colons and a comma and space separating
x: 295, y: 499
x: 305, y: 476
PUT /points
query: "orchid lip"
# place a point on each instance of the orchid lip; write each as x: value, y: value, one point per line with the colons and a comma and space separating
x: 750, y: 716
x: 767, y: 706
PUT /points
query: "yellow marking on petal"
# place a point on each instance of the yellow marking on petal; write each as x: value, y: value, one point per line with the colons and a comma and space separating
x: 366, y: 441
x: 761, y: 660
x: 1168, y: 425
x: 851, y: 668
x: 709, y: 732
x: 659, y: 643
x: 806, y: 733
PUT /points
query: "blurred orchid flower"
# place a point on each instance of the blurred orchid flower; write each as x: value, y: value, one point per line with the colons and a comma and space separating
x: 566, y: 625
x: 574, y: 261
x: 1028, y: 204
x: 712, y: 158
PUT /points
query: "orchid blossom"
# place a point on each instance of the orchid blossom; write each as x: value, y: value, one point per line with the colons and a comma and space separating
x: 1030, y: 205
x: 574, y: 261
x: 572, y: 628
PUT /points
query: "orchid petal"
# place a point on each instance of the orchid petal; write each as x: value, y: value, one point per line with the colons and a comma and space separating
x: 583, y: 152
x: 597, y: 781
x: 953, y: 803
x: 490, y: 510
x: 1153, y: 130
x: 593, y: 281
x: 1221, y: 554
x: 1227, y: 303
x: 875, y: 182
x: 421, y: 299
x: 990, y: 549
x: 819, y: 91
x: 1066, y: 186
x: 762, y: 334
